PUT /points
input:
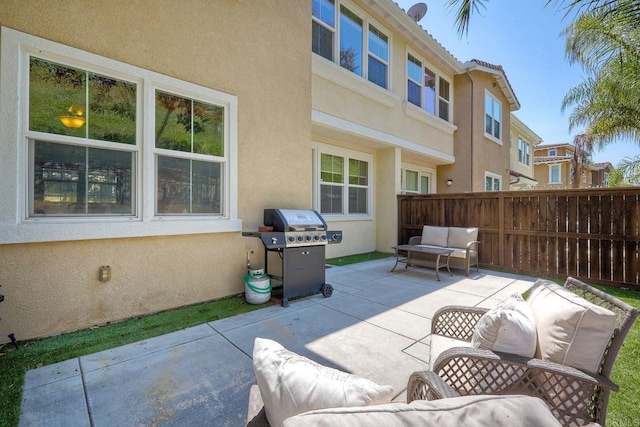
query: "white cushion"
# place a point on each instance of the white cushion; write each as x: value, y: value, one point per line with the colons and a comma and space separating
x: 291, y: 384
x: 458, y: 253
x: 571, y: 330
x: 440, y: 343
x: 509, y: 328
x: 436, y: 236
x: 459, y: 237
x: 469, y: 411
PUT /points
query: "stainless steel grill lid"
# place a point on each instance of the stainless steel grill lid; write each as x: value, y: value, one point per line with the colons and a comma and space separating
x: 294, y: 220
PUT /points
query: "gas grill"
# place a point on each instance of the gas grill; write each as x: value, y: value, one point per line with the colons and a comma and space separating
x: 300, y: 238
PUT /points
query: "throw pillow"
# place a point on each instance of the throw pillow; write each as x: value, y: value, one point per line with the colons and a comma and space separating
x: 571, y: 330
x: 291, y: 384
x: 509, y: 327
x: 434, y: 236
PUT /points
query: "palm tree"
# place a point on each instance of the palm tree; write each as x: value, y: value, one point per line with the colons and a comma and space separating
x: 583, y: 147
x: 627, y: 10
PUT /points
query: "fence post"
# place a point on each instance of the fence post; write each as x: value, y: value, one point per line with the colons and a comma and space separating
x: 501, y: 242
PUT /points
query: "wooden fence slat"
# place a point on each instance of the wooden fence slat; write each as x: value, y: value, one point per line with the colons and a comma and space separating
x: 589, y: 233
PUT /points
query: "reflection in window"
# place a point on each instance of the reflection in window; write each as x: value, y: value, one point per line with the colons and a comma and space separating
x: 414, y: 77
x: 429, y: 91
x: 323, y: 28
x: 77, y: 180
x: 443, y: 103
x: 74, y: 102
x: 378, y: 57
x: 183, y: 124
x: 188, y: 186
x: 493, y: 118
x: 358, y: 186
x: 350, y: 41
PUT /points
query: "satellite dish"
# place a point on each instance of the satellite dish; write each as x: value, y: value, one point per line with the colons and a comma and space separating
x: 417, y: 11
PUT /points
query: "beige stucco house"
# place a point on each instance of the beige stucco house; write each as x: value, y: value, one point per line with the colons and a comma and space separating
x: 484, y: 101
x: 523, y: 141
x: 164, y: 207
x: 552, y: 164
x: 132, y: 141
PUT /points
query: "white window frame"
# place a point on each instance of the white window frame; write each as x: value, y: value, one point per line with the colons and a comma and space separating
x: 494, y: 177
x: 15, y: 224
x: 421, y: 172
x: 524, y: 152
x: 439, y: 76
x: 553, y: 152
x: 494, y: 100
x: 554, y: 166
x: 367, y: 23
x: 318, y: 150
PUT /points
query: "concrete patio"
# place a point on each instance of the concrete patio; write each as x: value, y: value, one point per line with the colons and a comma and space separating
x: 376, y: 325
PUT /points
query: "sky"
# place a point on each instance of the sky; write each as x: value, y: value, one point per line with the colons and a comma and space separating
x: 525, y: 38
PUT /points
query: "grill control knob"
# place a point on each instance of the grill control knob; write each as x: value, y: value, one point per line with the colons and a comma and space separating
x: 323, y: 237
x: 291, y: 239
x: 316, y: 237
x: 300, y: 238
x: 308, y: 237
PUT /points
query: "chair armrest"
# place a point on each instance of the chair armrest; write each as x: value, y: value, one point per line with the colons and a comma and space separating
x: 497, y: 370
x: 415, y: 240
x: 427, y: 385
x: 473, y: 245
x: 456, y: 321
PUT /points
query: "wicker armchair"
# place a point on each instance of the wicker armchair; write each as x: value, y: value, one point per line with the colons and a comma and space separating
x: 574, y: 397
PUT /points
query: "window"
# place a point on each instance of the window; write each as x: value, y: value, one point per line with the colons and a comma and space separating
x: 189, y: 155
x: 555, y: 174
x: 93, y: 154
x: 492, y: 182
x: 344, y: 182
x: 524, y: 152
x: 83, y: 158
x: 323, y: 28
x: 553, y: 152
x: 493, y: 116
x: 378, y: 57
x: 414, y: 180
x: 352, y: 40
x: 421, y: 89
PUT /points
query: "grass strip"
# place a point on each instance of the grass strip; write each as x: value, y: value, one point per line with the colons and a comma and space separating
x: 41, y: 352
x: 353, y: 259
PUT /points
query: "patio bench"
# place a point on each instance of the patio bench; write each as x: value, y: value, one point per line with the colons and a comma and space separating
x: 463, y: 241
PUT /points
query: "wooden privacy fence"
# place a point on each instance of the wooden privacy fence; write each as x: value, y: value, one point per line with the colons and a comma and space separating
x: 592, y: 234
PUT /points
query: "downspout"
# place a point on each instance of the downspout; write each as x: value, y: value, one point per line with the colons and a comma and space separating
x: 471, y: 120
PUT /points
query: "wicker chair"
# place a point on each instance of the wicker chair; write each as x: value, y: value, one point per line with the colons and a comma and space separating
x: 574, y: 397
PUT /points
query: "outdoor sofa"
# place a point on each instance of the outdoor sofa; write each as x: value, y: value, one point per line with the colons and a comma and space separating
x: 293, y: 391
x: 462, y: 240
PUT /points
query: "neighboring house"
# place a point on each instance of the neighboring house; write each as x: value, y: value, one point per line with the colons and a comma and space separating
x: 600, y: 174
x: 484, y: 100
x: 523, y: 142
x: 552, y: 165
x: 132, y: 143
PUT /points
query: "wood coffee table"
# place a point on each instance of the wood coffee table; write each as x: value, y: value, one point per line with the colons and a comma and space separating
x: 438, y: 253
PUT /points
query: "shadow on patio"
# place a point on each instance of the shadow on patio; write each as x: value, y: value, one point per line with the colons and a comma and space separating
x: 376, y: 325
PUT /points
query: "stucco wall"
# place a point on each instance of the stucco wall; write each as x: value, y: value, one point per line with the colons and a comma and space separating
x: 258, y: 52
x: 482, y: 155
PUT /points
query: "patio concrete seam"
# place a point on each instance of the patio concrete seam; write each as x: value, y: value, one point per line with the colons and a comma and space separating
x: 85, y: 393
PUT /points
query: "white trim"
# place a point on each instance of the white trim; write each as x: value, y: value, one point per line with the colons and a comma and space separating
x: 14, y: 173
x: 493, y: 176
x: 342, y: 125
x: 439, y: 75
x: 551, y: 166
x: 346, y: 153
x: 422, y: 171
x: 495, y: 100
